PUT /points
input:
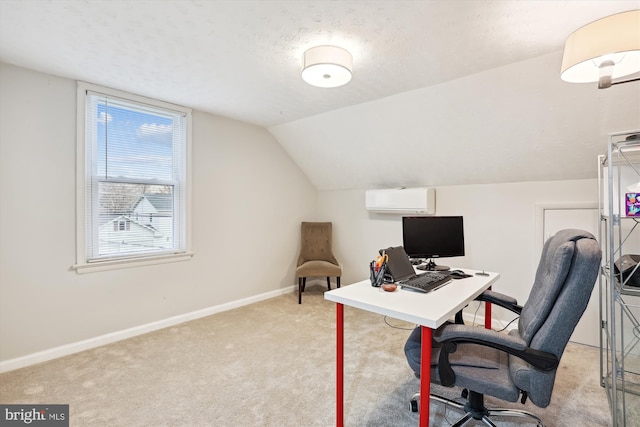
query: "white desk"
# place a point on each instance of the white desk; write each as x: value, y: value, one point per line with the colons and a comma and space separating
x: 429, y: 310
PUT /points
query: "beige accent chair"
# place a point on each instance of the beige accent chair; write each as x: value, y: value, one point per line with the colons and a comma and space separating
x: 316, y: 257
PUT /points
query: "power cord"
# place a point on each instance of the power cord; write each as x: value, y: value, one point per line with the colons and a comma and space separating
x: 475, y: 314
x: 446, y: 410
x: 396, y: 327
x: 513, y: 320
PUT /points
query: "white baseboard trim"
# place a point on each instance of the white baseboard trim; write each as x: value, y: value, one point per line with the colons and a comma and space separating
x: 67, y: 349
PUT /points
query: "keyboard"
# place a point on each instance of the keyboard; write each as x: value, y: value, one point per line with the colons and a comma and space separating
x: 426, y: 282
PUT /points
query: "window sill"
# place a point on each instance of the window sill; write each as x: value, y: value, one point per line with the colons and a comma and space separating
x: 117, y: 264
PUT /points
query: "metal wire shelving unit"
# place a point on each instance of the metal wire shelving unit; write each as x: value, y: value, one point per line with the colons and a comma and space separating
x: 618, y: 175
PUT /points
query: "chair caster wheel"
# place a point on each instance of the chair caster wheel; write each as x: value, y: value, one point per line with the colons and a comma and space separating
x: 414, y: 405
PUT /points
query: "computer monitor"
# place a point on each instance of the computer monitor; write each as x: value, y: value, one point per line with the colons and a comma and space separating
x: 433, y: 237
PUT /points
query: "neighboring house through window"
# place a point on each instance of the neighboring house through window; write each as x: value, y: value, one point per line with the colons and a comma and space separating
x: 122, y: 225
x: 133, y: 174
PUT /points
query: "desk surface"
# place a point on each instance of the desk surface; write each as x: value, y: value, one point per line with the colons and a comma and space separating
x: 428, y: 309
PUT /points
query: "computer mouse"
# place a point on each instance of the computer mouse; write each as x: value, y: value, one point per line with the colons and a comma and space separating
x: 457, y: 274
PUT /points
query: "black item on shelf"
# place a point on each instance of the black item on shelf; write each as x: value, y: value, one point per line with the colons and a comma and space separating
x: 627, y: 266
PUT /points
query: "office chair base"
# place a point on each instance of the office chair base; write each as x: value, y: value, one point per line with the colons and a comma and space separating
x: 474, y: 412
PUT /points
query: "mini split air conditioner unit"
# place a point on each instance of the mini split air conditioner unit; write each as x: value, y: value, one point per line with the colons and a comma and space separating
x: 411, y: 201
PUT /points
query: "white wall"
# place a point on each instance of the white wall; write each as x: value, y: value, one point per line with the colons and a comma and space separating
x: 248, y: 201
x: 499, y: 224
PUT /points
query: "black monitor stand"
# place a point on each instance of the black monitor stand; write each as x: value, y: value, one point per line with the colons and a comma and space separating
x: 432, y: 266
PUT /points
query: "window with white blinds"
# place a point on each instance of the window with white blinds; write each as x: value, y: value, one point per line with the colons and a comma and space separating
x: 135, y: 178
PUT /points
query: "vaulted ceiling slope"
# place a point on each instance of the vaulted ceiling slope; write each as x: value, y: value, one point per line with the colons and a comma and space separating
x: 515, y: 123
x: 427, y: 76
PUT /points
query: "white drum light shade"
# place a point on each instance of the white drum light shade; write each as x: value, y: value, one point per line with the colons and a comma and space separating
x: 327, y: 66
x: 606, y: 49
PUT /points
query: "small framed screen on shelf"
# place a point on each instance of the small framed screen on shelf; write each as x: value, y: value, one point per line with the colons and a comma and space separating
x: 632, y: 204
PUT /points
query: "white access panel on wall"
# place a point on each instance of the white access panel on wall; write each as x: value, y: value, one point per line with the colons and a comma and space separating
x: 582, y: 216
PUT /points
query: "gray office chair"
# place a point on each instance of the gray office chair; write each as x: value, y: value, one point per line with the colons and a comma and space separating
x: 523, y: 363
x: 316, y: 256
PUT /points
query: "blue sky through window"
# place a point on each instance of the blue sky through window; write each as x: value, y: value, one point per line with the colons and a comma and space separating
x: 132, y: 143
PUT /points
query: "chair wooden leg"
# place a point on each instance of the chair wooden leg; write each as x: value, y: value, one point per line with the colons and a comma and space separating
x: 304, y: 283
x: 338, y: 281
x: 329, y: 283
x: 300, y: 290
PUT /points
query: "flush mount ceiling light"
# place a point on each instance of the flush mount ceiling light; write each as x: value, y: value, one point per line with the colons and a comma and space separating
x: 601, y: 51
x: 327, y: 66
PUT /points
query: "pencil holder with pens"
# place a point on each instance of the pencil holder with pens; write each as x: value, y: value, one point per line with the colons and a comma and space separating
x: 378, y: 270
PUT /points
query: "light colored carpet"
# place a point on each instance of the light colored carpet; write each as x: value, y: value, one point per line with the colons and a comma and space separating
x: 271, y: 364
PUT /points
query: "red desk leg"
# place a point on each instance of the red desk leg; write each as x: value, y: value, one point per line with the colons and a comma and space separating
x: 425, y: 375
x: 339, y: 365
x: 487, y: 315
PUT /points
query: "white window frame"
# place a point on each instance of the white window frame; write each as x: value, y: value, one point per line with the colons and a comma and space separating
x: 134, y: 260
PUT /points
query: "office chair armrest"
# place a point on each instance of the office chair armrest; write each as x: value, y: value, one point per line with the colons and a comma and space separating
x: 501, y: 300
x: 456, y: 333
x: 496, y: 298
x: 452, y: 335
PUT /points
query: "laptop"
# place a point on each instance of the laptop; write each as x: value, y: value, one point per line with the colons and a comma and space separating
x: 403, y: 273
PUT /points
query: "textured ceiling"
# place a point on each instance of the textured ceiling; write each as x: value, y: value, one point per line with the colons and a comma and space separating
x: 444, y: 92
x: 241, y: 59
